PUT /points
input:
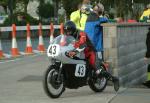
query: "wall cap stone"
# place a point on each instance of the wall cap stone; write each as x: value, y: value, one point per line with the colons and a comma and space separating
x: 125, y: 24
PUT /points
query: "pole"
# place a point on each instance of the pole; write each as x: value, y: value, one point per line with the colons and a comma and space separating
x: 55, y: 11
x: 132, y: 9
x: 132, y: 4
x: 10, y: 6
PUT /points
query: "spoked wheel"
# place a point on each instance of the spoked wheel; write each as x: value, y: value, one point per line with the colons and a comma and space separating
x: 53, y: 87
x: 98, y: 84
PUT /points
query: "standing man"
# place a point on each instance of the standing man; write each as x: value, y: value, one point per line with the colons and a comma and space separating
x: 147, y: 57
x: 79, y: 16
x: 86, y: 5
x: 146, y: 13
x: 93, y: 28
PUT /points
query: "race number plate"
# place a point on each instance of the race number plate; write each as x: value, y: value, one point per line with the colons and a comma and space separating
x: 80, y: 70
x: 53, y: 50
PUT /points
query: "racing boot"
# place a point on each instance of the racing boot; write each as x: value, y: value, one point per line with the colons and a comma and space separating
x: 115, y: 80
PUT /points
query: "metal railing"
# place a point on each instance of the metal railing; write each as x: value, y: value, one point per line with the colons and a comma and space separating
x: 23, y: 28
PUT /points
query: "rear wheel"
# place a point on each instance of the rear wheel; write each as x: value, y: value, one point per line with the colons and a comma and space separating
x: 98, y: 84
x: 53, y: 88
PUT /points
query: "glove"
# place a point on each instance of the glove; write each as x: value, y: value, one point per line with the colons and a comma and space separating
x: 72, y: 53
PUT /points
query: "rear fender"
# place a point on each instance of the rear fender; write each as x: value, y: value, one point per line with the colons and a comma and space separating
x: 105, y: 65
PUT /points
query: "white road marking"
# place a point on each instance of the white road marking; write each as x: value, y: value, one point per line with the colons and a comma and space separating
x: 36, y: 51
x: 10, y: 61
x: 22, y: 53
x: 7, y: 55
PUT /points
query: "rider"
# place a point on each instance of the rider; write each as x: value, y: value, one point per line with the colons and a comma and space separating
x: 83, y: 43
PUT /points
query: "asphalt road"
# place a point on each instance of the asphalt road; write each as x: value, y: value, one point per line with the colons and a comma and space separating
x: 21, y: 82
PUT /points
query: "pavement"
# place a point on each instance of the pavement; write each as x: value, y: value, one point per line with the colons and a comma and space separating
x: 21, y: 82
x: 132, y: 95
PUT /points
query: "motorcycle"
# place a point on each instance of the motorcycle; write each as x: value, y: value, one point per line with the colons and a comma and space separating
x: 69, y: 72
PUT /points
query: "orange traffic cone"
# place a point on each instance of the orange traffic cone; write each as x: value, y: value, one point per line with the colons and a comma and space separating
x: 28, y: 49
x: 1, y: 52
x: 63, y: 40
x: 51, y: 32
x: 14, y: 49
x: 61, y: 28
x: 41, y: 47
x: 63, y: 37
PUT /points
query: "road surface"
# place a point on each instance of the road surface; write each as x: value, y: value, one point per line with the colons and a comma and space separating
x: 21, y: 82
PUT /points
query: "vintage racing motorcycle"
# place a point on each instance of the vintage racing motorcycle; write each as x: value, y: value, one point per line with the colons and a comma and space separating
x: 69, y: 72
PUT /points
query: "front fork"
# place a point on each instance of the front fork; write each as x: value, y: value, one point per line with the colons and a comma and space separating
x: 59, y: 74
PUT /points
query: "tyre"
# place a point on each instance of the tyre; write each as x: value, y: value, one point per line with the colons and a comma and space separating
x: 51, y: 87
x: 98, y: 84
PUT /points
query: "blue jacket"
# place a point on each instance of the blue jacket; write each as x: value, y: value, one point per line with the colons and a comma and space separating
x: 94, y: 30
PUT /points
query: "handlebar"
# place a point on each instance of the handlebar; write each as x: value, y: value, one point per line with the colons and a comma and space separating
x: 74, y: 57
x: 67, y: 54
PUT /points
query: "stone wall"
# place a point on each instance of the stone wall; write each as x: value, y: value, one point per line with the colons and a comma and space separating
x: 124, y: 49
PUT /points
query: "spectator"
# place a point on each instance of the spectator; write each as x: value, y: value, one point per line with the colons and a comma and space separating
x: 86, y: 2
x: 79, y: 16
x: 93, y: 28
x: 147, y: 56
x: 86, y: 5
x: 146, y: 13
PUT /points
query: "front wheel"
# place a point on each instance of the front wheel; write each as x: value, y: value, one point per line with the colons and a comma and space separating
x: 52, y: 87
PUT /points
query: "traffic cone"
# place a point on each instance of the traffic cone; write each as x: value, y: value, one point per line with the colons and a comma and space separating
x: 14, y: 49
x: 1, y: 52
x: 63, y: 37
x: 28, y: 49
x: 61, y: 28
x: 41, y: 47
x: 63, y: 40
x: 51, y: 33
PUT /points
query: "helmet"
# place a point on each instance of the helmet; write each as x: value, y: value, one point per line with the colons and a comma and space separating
x: 85, y: 9
x: 69, y: 28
